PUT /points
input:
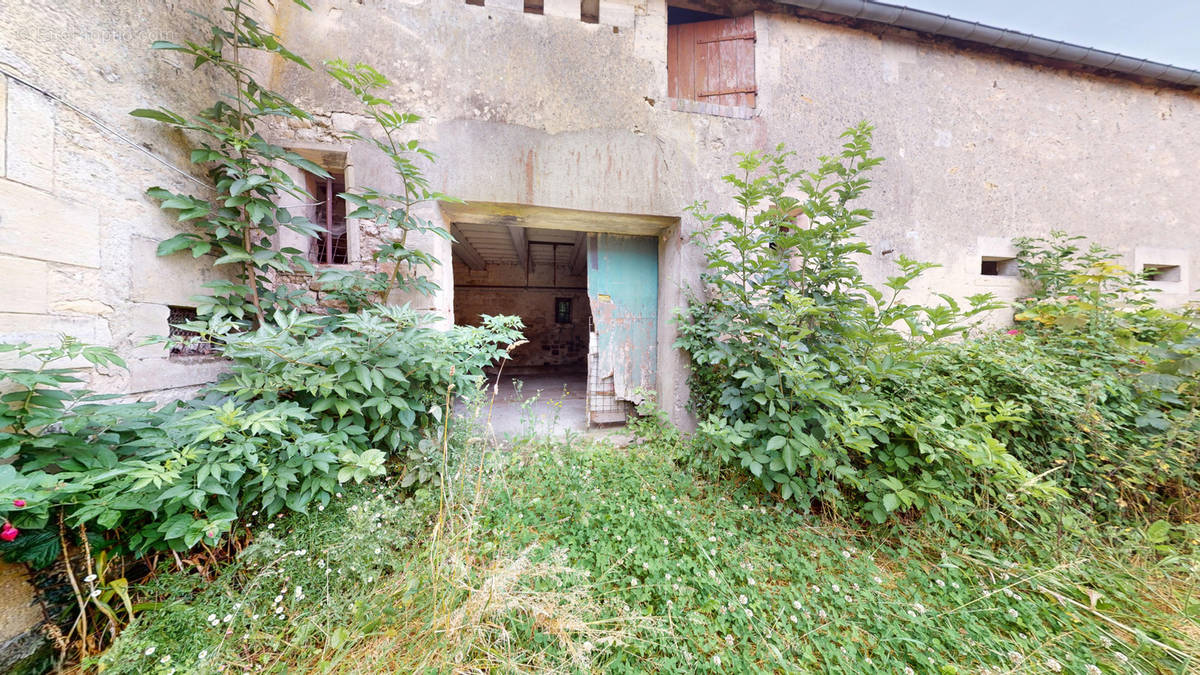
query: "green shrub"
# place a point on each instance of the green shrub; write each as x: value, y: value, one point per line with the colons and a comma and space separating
x: 794, y: 351
x: 830, y: 391
x: 381, y: 375
x: 311, y: 402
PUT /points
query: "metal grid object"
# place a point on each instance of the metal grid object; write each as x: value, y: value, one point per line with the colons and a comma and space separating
x: 185, y: 342
x: 603, y: 406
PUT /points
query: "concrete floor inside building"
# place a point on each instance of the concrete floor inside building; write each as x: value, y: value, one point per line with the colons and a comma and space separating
x: 545, y: 403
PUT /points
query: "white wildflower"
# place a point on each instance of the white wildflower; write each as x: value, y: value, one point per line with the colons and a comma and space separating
x: 149, y: 650
x: 1053, y: 666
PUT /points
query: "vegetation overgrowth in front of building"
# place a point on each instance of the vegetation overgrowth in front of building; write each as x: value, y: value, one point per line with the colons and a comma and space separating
x: 866, y: 470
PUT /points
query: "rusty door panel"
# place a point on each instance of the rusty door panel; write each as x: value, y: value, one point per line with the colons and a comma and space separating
x: 623, y: 290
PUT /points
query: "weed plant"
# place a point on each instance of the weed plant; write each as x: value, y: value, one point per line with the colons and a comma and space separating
x: 591, y: 558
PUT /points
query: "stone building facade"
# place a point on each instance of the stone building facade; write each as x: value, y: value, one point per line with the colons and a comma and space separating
x: 561, y: 115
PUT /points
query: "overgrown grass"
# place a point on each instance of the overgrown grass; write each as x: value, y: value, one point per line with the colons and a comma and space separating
x: 555, y: 558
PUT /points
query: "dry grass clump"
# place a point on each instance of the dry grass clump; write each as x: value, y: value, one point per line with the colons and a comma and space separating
x: 473, y: 615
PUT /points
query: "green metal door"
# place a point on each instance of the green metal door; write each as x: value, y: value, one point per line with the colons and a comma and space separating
x: 623, y: 289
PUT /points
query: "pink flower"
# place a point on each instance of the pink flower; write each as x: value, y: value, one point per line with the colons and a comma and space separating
x: 19, y: 503
x: 9, y: 532
x: 1014, y: 331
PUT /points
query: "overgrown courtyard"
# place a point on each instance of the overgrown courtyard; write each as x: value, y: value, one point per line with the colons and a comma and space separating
x: 874, y: 483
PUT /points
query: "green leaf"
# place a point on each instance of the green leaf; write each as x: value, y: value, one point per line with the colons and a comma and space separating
x: 1158, y: 532
x: 160, y: 115
x: 891, y: 502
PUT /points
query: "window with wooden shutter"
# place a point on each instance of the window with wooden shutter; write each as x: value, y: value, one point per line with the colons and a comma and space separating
x: 712, y: 62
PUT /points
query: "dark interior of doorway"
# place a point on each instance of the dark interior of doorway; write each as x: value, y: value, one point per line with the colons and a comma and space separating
x: 539, y: 275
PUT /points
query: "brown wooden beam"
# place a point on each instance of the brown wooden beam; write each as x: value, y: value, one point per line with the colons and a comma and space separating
x: 521, y: 243
x: 465, y: 251
x: 579, y: 257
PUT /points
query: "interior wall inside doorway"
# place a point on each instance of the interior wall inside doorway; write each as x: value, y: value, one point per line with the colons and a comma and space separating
x: 539, y: 291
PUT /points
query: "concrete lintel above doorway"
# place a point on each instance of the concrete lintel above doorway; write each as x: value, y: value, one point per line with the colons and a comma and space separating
x: 555, y: 218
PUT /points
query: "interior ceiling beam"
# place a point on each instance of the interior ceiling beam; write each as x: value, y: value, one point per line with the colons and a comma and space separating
x: 465, y: 251
x: 519, y: 242
x: 554, y: 218
x: 579, y: 255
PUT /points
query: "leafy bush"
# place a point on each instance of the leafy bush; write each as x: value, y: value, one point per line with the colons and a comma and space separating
x: 311, y: 403
x: 381, y: 376
x: 794, y: 351
x: 831, y: 391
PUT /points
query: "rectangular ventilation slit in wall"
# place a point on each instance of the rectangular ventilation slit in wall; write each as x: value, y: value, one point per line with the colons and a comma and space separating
x: 1154, y: 272
x: 589, y: 11
x: 994, y: 266
x: 533, y: 6
x: 477, y: 3
x: 185, y: 342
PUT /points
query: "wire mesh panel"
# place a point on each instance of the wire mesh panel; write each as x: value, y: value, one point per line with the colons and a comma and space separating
x: 185, y: 342
x: 603, y: 406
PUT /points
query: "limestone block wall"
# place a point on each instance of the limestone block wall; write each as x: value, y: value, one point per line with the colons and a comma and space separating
x: 77, y: 233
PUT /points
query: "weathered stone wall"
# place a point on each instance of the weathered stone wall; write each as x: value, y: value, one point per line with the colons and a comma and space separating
x: 552, y: 111
x: 77, y: 233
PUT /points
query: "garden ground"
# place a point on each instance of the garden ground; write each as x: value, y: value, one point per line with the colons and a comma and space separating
x: 578, y: 555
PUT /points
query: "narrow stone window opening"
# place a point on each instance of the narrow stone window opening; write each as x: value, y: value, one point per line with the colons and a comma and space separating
x: 331, y: 246
x: 589, y: 11
x: 1154, y: 272
x: 477, y: 3
x: 533, y: 6
x: 562, y: 310
x: 995, y: 266
x: 185, y: 342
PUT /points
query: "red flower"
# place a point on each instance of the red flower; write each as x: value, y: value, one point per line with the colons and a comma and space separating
x: 19, y: 503
x: 9, y: 532
x: 1014, y: 331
